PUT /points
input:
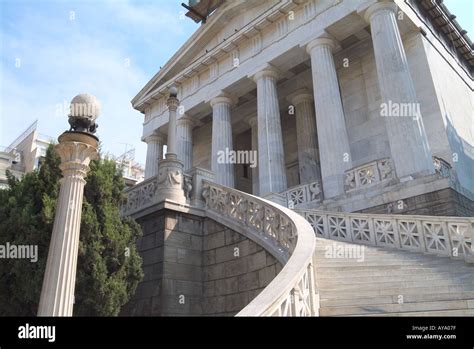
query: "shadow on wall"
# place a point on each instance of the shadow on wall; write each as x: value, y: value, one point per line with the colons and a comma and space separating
x: 465, y: 155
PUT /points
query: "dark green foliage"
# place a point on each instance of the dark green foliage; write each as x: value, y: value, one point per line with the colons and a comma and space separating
x: 108, y: 268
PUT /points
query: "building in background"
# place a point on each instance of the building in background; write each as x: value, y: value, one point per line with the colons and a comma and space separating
x: 132, y: 172
x: 24, y: 154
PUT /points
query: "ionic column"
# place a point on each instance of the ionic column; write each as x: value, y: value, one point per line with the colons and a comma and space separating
x: 407, y: 137
x: 154, y: 153
x: 222, y: 139
x: 254, y: 129
x: 76, y: 150
x: 184, y: 139
x: 307, y: 139
x: 332, y: 134
x: 271, y: 156
x: 173, y: 104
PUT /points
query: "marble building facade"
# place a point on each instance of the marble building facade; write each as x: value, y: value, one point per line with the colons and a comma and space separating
x: 305, y: 84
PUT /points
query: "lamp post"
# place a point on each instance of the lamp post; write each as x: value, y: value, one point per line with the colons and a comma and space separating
x: 76, y: 148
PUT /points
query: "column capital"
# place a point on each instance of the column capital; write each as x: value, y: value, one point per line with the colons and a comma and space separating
x: 155, y: 137
x: 172, y: 103
x: 252, y: 121
x: 225, y: 98
x: 322, y: 41
x: 268, y: 71
x: 299, y: 96
x: 186, y: 119
x: 376, y: 8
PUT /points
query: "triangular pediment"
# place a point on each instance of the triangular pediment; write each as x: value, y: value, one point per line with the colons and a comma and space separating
x: 229, y: 18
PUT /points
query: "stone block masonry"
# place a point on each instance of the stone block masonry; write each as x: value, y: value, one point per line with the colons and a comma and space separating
x: 236, y: 270
x: 195, y: 266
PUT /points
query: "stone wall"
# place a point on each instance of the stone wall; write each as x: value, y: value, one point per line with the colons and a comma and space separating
x: 195, y: 266
x: 236, y: 270
x: 147, y: 298
x: 446, y: 202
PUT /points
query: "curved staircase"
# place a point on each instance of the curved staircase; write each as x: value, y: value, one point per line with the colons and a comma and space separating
x: 391, y: 283
x: 400, y: 265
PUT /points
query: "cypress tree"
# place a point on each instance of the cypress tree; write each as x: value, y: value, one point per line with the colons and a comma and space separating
x: 108, y: 267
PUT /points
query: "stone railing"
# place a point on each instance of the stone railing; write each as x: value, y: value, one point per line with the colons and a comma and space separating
x: 443, y: 168
x: 368, y: 174
x: 303, y: 193
x: 444, y: 236
x: 284, y: 234
x: 140, y: 196
x: 147, y: 193
x: 382, y: 170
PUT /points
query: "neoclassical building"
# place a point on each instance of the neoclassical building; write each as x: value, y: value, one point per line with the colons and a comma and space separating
x: 303, y: 84
x: 352, y: 108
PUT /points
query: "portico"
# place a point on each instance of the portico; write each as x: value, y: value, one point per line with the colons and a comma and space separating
x: 308, y: 103
x: 321, y: 91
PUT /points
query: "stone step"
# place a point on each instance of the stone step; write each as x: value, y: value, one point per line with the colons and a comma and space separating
x: 400, y: 284
x: 349, y: 274
x: 339, y: 293
x: 371, y: 250
x: 351, y: 263
x: 398, y: 256
x: 396, y: 308
x: 386, y: 261
x: 434, y: 313
x: 375, y: 279
x: 337, y: 269
x: 394, y: 299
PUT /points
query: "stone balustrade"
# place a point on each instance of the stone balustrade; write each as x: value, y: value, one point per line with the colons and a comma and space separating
x: 284, y: 234
x: 442, y: 236
x: 141, y: 196
x: 369, y: 174
x: 382, y: 170
x: 443, y: 168
x: 145, y: 194
x: 303, y: 194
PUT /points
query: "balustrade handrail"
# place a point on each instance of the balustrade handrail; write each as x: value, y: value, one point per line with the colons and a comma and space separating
x: 140, y: 196
x: 285, y: 234
x: 443, y: 236
x: 303, y: 193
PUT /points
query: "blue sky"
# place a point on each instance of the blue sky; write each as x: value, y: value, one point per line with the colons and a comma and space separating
x: 107, y: 48
x: 51, y: 50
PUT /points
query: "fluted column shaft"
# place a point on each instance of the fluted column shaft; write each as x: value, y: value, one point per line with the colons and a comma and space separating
x: 271, y: 156
x: 307, y: 139
x: 154, y: 153
x: 254, y: 130
x: 407, y: 137
x: 57, y: 294
x: 184, y: 138
x: 173, y: 104
x: 222, y: 141
x: 332, y: 134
